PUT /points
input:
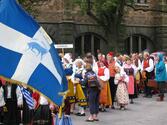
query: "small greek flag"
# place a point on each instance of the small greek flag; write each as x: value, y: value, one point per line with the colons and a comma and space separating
x: 28, y: 97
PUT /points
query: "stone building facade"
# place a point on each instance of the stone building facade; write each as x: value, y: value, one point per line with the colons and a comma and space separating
x: 65, y: 23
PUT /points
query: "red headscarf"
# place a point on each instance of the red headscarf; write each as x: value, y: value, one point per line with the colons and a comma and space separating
x: 110, y: 54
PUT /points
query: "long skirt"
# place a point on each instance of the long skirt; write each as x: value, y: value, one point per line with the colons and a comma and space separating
x: 122, y: 94
x: 105, y: 94
x: 71, y: 94
x: 80, y: 96
x: 131, y: 87
x: 42, y: 116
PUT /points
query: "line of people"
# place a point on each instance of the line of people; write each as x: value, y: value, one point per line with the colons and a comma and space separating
x: 100, y: 83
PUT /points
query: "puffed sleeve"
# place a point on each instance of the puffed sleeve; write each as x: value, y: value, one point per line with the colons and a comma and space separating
x: 117, y: 78
x: 126, y: 79
x: 19, y: 96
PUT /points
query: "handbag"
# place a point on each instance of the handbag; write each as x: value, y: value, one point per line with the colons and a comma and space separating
x: 152, y: 83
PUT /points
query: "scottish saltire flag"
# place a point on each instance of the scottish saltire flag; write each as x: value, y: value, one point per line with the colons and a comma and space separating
x: 28, y: 97
x: 27, y: 53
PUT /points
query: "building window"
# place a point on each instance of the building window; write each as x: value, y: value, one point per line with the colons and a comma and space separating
x: 141, y: 1
x: 87, y: 43
x: 137, y: 44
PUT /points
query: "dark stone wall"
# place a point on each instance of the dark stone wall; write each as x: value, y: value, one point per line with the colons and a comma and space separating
x: 64, y: 23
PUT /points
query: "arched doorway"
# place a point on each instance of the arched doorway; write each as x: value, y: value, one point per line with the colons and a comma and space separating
x: 138, y: 43
x: 88, y: 42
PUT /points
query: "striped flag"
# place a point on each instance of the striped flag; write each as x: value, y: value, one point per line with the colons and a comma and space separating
x: 28, y: 97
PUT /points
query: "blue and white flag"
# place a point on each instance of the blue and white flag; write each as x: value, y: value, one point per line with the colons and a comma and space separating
x: 28, y: 97
x: 27, y: 53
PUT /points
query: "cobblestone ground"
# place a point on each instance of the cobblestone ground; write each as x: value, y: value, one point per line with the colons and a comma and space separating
x: 145, y: 111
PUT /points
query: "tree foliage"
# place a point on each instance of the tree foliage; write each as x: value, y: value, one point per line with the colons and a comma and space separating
x: 109, y: 13
x: 29, y: 5
x: 106, y: 12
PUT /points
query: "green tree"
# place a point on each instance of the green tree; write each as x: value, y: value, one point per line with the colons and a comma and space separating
x: 109, y: 14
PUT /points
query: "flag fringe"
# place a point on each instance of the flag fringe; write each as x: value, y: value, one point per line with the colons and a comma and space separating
x: 64, y: 94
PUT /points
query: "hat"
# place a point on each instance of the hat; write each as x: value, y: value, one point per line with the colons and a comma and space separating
x: 110, y: 54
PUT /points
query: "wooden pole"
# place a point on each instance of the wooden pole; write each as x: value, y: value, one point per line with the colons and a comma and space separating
x: 63, y: 51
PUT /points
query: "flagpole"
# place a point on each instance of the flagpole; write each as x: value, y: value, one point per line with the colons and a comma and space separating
x: 64, y: 94
x: 63, y: 51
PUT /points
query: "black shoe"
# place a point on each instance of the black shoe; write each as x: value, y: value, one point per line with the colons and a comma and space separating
x: 96, y: 119
x: 131, y: 102
x: 77, y: 114
x: 107, y: 107
x: 113, y: 107
x: 103, y: 110
x: 88, y: 120
x: 100, y: 109
x: 82, y: 114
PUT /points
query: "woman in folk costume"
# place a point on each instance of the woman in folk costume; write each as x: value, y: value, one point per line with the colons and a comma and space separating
x: 68, y: 67
x: 79, y: 89
x: 160, y: 75
x: 122, y: 96
x: 129, y: 70
x: 105, y: 94
x: 101, y: 58
x: 42, y: 115
x: 111, y: 67
x: 67, y: 64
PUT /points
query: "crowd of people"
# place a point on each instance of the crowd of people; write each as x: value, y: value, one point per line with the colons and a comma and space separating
x: 98, y: 83
x: 113, y: 80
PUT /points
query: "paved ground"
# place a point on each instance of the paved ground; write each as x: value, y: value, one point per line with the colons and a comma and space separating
x: 145, y: 111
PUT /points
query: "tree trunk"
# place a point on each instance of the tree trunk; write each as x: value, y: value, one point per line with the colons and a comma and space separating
x: 113, y: 36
